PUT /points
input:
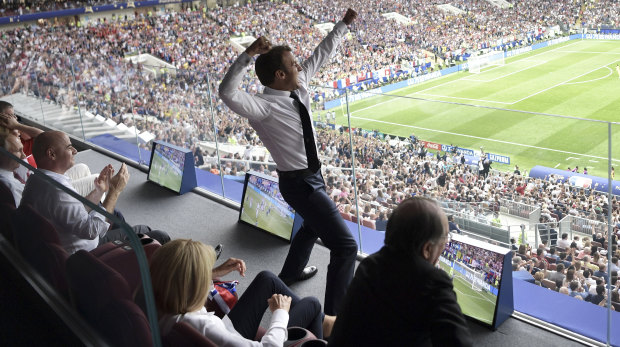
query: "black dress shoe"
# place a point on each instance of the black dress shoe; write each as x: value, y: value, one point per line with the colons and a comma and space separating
x: 308, y: 272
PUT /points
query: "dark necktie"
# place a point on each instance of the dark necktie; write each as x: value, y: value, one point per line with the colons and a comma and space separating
x: 306, y: 124
x: 19, y: 178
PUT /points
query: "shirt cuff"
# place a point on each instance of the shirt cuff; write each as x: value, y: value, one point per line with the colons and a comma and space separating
x: 95, y: 214
x: 244, y: 58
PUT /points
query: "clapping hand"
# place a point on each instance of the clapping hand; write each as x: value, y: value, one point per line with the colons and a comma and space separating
x: 102, y: 182
x: 119, y: 181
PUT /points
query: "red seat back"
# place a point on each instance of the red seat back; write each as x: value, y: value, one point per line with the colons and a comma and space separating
x: 182, y: 334
x: 103, y: 297
x: 37, y: 241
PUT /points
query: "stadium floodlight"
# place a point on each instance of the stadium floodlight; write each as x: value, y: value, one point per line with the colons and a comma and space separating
x: 493, y: 58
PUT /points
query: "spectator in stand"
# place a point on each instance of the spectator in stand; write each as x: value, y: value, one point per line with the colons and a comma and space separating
x: 564, y: 242
x: 453, y: 226
x: 381, y: 223
x: 78, y: 227
x: 8, y: 176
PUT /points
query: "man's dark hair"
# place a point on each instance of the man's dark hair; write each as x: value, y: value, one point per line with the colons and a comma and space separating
x: 564, y: 236
x: 5, y: 106
x: 600, y: 289
x: 413, y: 223
x: 268, y: 63
x: 560, y: 268
x: 574, y: 285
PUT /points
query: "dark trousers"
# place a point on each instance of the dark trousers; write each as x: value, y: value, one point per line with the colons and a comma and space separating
x: 246, y: 315
x: 117, y: 233
x: 321, y: 219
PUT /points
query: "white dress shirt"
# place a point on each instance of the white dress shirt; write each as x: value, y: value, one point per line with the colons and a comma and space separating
x: 273, y: 114
x: 76, y: 227
x: 223, y: 333
x: 13, y: 184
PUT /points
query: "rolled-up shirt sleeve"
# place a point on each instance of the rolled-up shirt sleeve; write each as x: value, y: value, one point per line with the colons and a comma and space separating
x: 72, y: 216
x: 239, y: 101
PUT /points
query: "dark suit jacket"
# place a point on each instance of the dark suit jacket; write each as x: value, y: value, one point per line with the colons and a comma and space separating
x: 400, y: 300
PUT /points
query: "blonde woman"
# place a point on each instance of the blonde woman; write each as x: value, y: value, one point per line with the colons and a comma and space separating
x: 182, y: 272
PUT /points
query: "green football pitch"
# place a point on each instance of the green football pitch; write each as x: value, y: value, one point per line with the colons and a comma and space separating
x: 164, y: 174
x: 276, y: 223
x: 478, y: 305
x: 576, y: 79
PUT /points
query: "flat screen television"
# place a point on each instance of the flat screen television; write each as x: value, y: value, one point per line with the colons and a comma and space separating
x: 172, y: 167
x: 482, y: 278
x: 263, y: 207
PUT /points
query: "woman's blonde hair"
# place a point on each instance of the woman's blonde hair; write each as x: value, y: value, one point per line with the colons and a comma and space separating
x: 181, y: 275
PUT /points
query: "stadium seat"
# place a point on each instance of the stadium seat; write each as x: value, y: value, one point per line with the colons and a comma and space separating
x: 103, y: 297
x: 550, y: 260
x: 37, y: 241
x: 345, y: 215
x: 597, y: 244
x: 548, y: 284
x: 123, y: 259
x: 552, y: 267
x: 354, y: 218
x: 182, y: 334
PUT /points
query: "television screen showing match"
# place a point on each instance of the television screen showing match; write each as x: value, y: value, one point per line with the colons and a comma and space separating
x: 166, y: 167
x: 263, y: 206
x: 476, y: 271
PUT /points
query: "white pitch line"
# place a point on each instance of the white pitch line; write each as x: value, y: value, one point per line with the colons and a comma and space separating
x: 457, y: 97
x: 556, y: 165
x: 596, y: 79
x: 512, y: 62
x: 483, y: 138
x: 441, y: 84
x: 558, y: 84
x: 587, y: 52
x: 512, y: 73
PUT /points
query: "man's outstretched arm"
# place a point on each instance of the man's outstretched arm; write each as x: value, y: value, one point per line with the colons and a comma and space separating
x: 328, y: 46
x: 239, y: 101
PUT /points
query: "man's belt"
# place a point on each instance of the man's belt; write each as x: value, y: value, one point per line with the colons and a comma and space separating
x: 295, y: 174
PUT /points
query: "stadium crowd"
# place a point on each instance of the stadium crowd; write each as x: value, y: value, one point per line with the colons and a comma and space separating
x: 579, y: 269
x: 20, y: 7
x: 174, y: 104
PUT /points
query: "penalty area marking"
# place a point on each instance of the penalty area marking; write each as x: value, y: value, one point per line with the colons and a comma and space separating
x: 596, y: 79
x: 482, y: 138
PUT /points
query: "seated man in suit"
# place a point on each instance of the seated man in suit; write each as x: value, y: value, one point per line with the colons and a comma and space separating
x: 423, y: 310
x: 13, y: 145
x: 77, y: 227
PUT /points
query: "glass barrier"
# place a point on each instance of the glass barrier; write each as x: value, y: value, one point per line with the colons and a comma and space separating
x: 47, y: 241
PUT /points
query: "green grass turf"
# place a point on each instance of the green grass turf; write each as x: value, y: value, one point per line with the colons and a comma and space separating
x: 170, y: 179
x: 274, y: 223
x: 478, y: 305
x: 577, y: 79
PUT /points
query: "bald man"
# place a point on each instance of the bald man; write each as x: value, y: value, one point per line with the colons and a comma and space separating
x: 423, y: 310
x: 13, y: 145
x: 77, y: 227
